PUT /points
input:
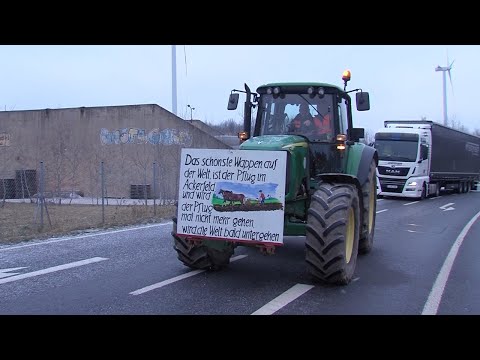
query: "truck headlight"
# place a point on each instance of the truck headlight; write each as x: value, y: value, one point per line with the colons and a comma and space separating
x: 412, y: 183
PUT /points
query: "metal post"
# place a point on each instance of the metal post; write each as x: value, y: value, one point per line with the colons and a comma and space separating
x: 42, y: 197
x: 103, y: 189
x: 154, y: 189
x: 145, y: 190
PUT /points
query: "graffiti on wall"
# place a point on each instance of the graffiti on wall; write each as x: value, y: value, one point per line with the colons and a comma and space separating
x: 4, y: 139
x: 140, y: 136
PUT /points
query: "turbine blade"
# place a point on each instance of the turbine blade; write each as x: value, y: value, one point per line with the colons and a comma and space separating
x: 450, y: 66
x: 451, y: 83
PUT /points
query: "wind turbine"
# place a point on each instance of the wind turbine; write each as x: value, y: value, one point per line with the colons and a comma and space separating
x: 443, y: 70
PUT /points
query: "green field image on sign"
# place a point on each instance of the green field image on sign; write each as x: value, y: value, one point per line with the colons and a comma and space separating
x: 243, y: 197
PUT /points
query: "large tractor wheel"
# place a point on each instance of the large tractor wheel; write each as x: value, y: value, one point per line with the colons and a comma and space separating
x: 369, y: 191
x: 333, y: 231
x: 202, y: 257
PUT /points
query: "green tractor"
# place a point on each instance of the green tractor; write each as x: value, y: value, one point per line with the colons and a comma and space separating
x: 330, y: 192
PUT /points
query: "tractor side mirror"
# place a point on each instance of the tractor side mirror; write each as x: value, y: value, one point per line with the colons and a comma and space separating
x: 233, y: 101
x: 363, y: 101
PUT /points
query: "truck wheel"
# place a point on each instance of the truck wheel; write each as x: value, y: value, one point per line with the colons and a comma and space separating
x: 201, y: 256
x: 424, y: 192
x: 332, y: 233
x: 369, y: 191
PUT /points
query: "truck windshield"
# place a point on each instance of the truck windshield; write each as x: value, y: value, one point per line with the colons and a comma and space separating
x: 297, y: 114
x: 396, y: 147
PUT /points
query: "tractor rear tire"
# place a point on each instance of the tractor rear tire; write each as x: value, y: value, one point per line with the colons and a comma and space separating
x: 332, y: 233
x: 201, y: 257
x: 369, y: 191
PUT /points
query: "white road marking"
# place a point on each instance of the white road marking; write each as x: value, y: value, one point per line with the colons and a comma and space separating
x: 283, y: 299
x: 414, y: 225
x: 380, y: 199
x: 433, y: 301
x: 177, y: 278
x: 447, y: 207
x: 412, y: 231
x: 3, y: 272
x: 52, y: 269
x: 54, y: 240
x: 435, y: 197
x: 379, y: 211
x: 410, y: 203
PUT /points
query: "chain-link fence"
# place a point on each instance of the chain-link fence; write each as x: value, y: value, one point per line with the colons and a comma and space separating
x: 44, y: 202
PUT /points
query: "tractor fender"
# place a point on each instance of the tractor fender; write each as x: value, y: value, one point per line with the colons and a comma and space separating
x: 343, y: 178
x: 368, y: 154
x: 346, y: 179
x: 340, y: 178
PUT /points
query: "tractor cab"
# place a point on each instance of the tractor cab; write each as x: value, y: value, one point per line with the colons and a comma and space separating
x: 319, y: 112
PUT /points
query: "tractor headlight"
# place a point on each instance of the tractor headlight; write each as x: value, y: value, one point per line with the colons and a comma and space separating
x: 341, y: 139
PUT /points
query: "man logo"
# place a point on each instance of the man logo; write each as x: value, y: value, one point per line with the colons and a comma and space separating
x: 392, y: 171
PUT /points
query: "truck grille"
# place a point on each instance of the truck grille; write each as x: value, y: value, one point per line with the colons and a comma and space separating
x: 397, y: 171
x: 392, y: 185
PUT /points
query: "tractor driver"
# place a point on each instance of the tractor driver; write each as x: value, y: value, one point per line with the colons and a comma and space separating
x: 318, y: 126
x: 303, y: 122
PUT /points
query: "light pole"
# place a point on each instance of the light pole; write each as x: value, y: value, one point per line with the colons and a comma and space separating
x: 191, y: 112
x: 174, y: 79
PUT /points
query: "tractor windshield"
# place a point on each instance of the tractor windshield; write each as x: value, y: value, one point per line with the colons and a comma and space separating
x: 297, y: 114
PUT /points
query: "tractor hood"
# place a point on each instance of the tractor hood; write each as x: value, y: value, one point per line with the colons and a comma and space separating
x: 273, y: 142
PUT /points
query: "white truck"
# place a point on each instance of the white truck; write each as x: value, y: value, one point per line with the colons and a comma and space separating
x: 418, y: 158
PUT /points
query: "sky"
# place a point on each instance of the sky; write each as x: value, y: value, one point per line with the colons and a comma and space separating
x: 401, y: 79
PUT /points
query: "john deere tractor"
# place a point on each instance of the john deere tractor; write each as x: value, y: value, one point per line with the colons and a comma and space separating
x: 330, y: 192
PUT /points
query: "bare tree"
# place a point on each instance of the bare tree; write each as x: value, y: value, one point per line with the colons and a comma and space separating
x: 122, y: 169
x: 456, y: 124
x: 369, y: 137
x: 73, y: 162
x: 168, y: 157
x: 143, y: 159
x: 227, y: 127
x: 57, y: 165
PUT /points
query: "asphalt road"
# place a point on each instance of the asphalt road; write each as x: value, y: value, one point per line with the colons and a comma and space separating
x: 424, y: 261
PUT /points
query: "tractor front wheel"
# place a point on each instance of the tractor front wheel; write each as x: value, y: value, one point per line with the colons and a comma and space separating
x: 201, y: 256
x: 332, y: 233
x: 369, y: 191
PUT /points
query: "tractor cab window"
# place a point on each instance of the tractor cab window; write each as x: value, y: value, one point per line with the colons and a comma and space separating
x: 342, y: 115
x: 297, y: 114
x: 272, y: 117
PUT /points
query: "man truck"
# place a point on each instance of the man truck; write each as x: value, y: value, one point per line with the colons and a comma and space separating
x: 330, y: 181
x: 420, y: 158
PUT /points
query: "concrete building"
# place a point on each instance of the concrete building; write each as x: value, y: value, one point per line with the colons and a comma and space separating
x: 231, y: 140
x: 73, y: 142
